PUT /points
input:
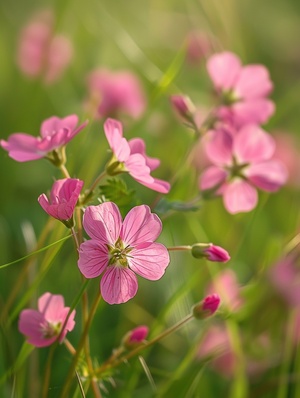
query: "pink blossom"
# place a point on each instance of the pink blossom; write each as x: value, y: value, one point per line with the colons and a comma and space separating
x: 198, y: 46
x: 130, y: 156
x: 43, y: 326
x: 41, y: 53
x: 183, y: 106
x: 226, y: 285
x: 115, y: 93
x: 63, y: 198
x: 242, y: 162
x: 120, y: 249
x: 55, y: 133
x: 207, y: 307
x: 243, y: 90
x: 285, y: 277
x: 211, y: 252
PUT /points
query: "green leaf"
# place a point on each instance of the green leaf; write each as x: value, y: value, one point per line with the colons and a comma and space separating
x: 116, y: 190
x: 164, y: 206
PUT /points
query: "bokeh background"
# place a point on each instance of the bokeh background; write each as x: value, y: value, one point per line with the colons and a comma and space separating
x: 259, y: 335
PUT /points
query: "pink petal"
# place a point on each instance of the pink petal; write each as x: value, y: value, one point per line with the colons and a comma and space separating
x: 253, y: 82
x: 137, y: 145
x: 93, y: 258
x: 23, y: 147
x: 269, y: 176
x: 252, y: 144
x: 114, y: 134
x: 256, y: 111
x: 223, y: 69
x: 212, y: 177
x: 30, y: 324
x: 239, y: 196
x: 137, y: 168
x: 51, y: 305
x: 218, y: 146
x: 157, y: 185
x: 54, y: 124
x: 103, y: 222
x: 118, y: 285
x: 140, y: 225
x: 149, y: 260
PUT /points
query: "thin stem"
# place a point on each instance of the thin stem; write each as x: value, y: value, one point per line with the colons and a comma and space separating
x: 69, y: 347
x: 80, y: 347
x: 94, y: 185
x: 48, y: 373
x: 179, y: 248
x: 109, y: 365
x: 64, y: 171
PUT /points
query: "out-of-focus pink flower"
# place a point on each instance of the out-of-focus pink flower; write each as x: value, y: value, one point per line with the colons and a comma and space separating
x: 207, y: 307
x: 135, y: 336
x: 226, y: 285
x: 40, y: 52
x: 242, y: 163
x: 63, y: 198
x: 216, y: 346
x: 116, y: 93
x: 243, y: 90
x: 287, y: 150
x: 129, y: 156
x: 198, y: 47
x: 120, y: 249
x: 43, y: 326
x: 211, y: 252
x: 285, y: 277
x: 55, y: 133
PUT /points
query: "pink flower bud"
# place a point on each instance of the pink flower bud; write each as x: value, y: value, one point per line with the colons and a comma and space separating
x: 211, y: 252
x: 207, y: 307
x: 135, y: 336
x: 183, y: 106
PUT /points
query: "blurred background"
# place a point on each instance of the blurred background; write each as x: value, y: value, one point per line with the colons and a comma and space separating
x: 251, y: 348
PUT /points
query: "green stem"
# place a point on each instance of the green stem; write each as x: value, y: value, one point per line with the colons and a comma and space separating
x: 179, y: 248
x: 67, y: 385
x: 109, y: 365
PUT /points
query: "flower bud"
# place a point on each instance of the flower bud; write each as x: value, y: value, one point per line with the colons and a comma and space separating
x: 183, y: 106
x: 135, y: 337
x: 207, y: 307
x: 210, y: 252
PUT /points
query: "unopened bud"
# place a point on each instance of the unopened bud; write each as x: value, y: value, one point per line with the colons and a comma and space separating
x: 135, y: 337
x: 183, y: 106
x: 207, y: 307
x: 210, y: 252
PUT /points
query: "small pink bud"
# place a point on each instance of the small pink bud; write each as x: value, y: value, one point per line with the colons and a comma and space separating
x: 207, y: 307
x: 135, y: 336
x: 211, y: 252
x: 183, y: 106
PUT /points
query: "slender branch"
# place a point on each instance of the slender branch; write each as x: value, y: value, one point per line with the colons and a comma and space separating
x: 71, y: 372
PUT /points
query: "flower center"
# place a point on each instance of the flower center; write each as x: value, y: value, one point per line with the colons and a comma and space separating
x: 50, y: 330
x: 236, y: 170
x: 118, y: 254
x: 228, y: 97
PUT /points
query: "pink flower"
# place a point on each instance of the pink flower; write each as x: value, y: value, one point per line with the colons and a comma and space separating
x: 43, y: 326
x: 55, y: 133
x: 40, y: 52
x: 207, y: 307
x: 116, y: 93
x: 130, y: 156
x: 63, y: 198
x: 242, y: 89
x: 226, y: 284
x: 242, y: 162
x: 183, y: 106
x: 198, y: 45
x: 285, y: 277
x: 119, y: 249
